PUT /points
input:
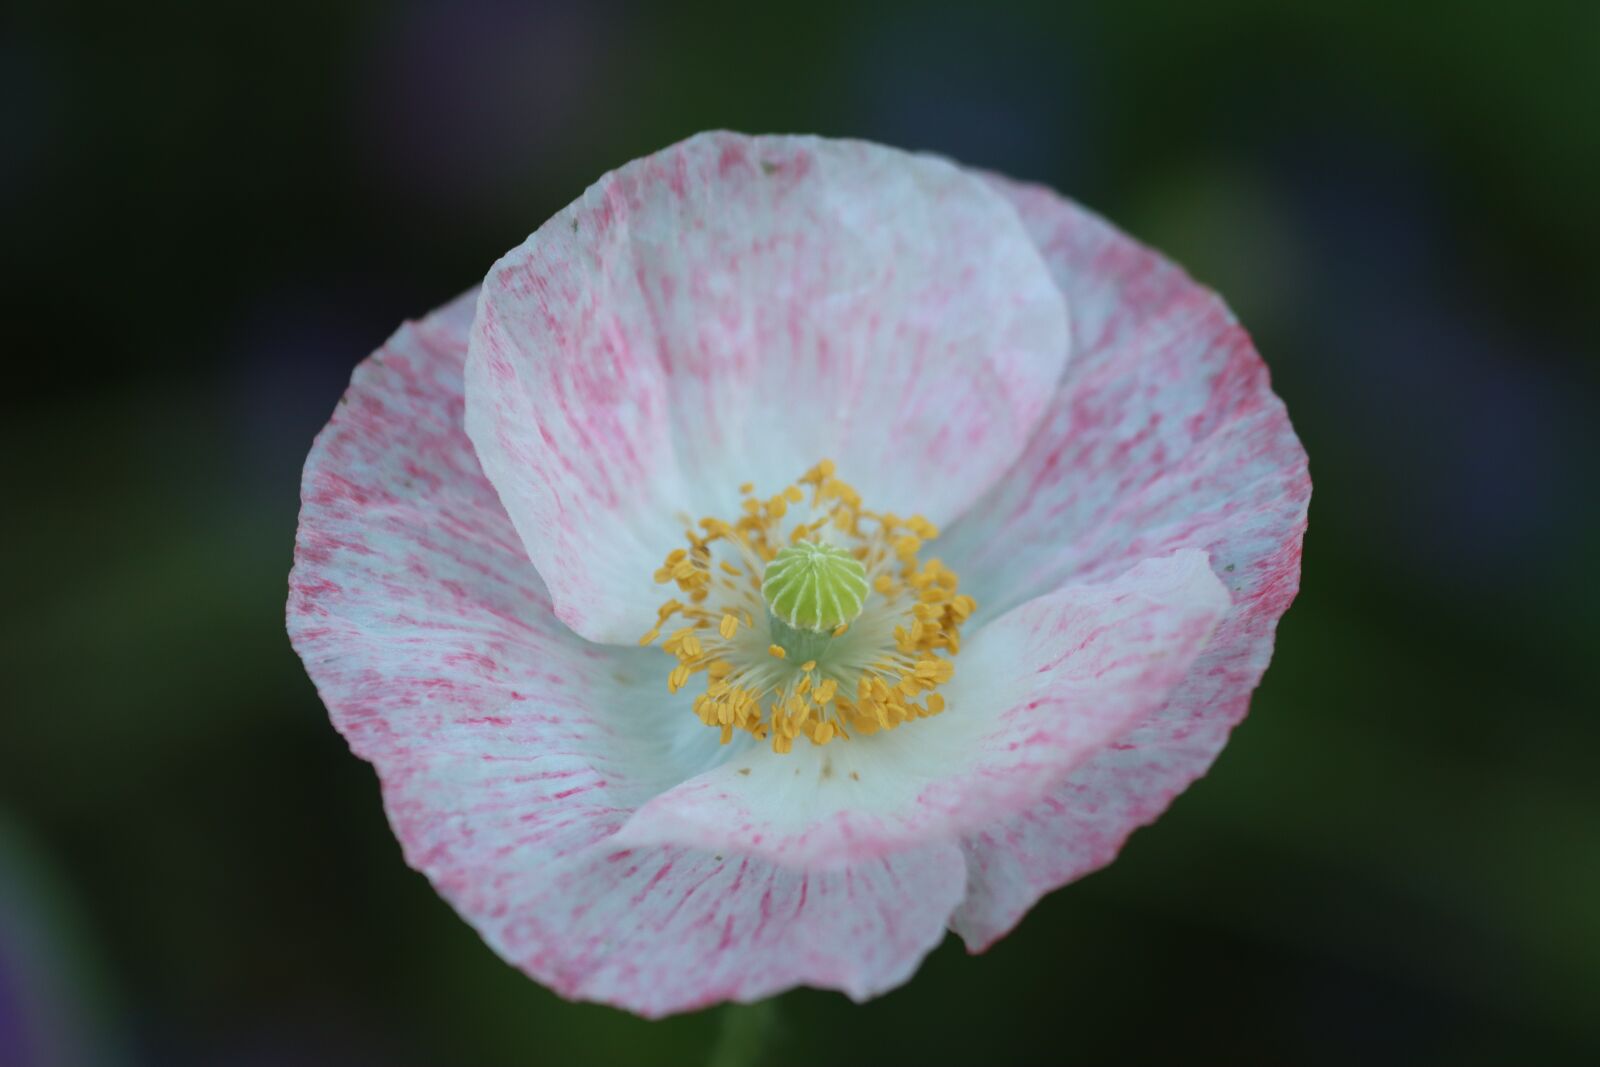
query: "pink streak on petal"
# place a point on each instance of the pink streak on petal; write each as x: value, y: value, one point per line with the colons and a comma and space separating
x: 1164, y: 435
x: 509, y: 750
x: 1036, y: 695
x: 734, y: 309
x: 665, y: 930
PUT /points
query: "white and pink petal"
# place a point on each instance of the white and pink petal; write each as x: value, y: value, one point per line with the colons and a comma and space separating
x: 1164, y: 436
x: 665, y: 930
x: 734, y: 309
x: 510, y: 750
x: 1036, y: 694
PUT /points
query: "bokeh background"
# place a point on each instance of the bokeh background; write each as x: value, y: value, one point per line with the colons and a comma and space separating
x: 211, y: 212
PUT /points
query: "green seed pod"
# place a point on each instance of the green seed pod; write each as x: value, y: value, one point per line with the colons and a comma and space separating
x: 814, y: 586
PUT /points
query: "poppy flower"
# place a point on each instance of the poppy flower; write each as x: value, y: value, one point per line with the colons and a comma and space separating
x: 793, y: 550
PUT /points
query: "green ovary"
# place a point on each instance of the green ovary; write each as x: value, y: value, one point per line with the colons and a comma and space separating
x: 813, y: 586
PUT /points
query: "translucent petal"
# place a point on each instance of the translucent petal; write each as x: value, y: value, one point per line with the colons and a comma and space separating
x: 734, y: 309
x: 510, y: 750
x: 1165, y: 435
x: 1037, y: 693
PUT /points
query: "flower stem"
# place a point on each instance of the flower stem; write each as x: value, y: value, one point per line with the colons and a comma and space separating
x: 746, y: 1031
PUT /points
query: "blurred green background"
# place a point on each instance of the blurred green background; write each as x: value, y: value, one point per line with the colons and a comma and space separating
x: 211, y: 212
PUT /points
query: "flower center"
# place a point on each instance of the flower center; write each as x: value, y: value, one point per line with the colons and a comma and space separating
x: 811, y: 616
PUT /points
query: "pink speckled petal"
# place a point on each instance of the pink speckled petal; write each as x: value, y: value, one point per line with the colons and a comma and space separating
x: 734, y: 309
x: 509, y: 749
x: 428, y: 632
x: 1036, y: 694
x: 663, y: 930
x: 1165, y: 435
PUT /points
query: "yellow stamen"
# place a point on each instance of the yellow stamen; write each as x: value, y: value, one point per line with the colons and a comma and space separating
x: 892, y: 659
x: 678, y: 678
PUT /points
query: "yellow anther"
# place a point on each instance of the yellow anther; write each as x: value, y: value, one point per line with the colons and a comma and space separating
x: 838, y: 631
x: 809, y: 665
x: 728, y: 627
x: 776, y: 651
x: 650, y: 638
